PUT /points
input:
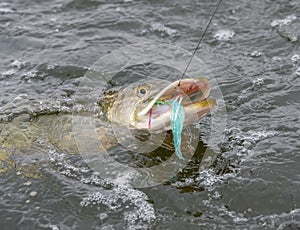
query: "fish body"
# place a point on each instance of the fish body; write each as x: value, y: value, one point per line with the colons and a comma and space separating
x: 133, y: 106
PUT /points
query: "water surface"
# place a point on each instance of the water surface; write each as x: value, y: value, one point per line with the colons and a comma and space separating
x: 252, y: 48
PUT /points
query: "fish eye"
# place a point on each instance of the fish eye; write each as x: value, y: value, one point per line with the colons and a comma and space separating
x: 142, y: 91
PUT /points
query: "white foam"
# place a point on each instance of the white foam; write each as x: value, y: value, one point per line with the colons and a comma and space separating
x: 163, y: 29
x: 280, y: 221
x: 295, y: 58
x: 208, y: 179
x: 140, y: 211
x: 256, y: 54
x: 18, y: 64
x: 224, y: 35
x: 132, y: 202
x: 244, y: 142
x: 298, y: 72
x: 283, y: 22
x: 5, y: 10
x: 258, y: 81
x: 9, y: 73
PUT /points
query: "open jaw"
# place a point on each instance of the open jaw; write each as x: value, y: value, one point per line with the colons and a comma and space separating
x: 192, y: 94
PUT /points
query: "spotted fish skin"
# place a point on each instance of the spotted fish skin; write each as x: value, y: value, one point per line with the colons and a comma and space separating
x: 177, y: 120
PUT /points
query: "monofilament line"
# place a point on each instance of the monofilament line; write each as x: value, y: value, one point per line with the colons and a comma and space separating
x: 201, y: 38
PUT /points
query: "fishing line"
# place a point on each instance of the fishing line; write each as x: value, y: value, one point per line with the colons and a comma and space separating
x: 199, y: 42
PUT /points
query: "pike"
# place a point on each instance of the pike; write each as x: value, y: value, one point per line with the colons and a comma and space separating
x: 141, y: 105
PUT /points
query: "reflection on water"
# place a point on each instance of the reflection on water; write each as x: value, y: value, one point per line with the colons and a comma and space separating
x: 252, y: 49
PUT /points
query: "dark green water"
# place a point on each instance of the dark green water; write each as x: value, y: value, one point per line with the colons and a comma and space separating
x: 252, y: 48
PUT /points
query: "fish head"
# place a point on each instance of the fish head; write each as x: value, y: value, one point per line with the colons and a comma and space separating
x: 146, y: 104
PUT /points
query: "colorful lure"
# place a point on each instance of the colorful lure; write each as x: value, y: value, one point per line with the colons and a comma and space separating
x: 177, y: 120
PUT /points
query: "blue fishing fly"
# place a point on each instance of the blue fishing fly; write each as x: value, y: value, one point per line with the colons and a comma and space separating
x: 177, y: 119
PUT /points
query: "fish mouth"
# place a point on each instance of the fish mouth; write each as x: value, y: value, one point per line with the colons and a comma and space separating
x: 191, y: 93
